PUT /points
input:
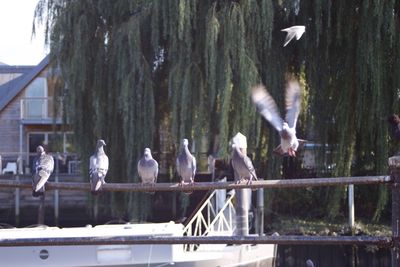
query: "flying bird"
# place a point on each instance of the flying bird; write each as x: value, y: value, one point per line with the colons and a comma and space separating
x: 186, y: 164
x: 98, y: 167
x: 148, y: 168
x: 242, y: 166
x: 269, y: 110
x: 294, y: 31
x: 44, y: 166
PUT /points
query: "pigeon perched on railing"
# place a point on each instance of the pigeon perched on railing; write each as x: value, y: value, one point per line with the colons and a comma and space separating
x: 309, y: 263
x: 148, y: 168
x: 44, y: 166
x: 186, y: 165
x: 269, y: 110
x: 242, y: 166
x: 394, y: 122
x: 294, y: 31
x: 98, y: 168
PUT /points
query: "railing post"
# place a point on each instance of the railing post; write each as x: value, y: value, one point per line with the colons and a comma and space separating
x: 260, y: 212
x: 56, y: 193
x: 351, y: 206
x: 17, y: 202
x: 394, y: 165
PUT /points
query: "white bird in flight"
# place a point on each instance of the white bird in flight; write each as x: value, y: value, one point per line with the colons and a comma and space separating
x: 269, y: 110
x: 294, y: 31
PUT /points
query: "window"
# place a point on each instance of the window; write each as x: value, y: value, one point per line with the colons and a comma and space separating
x: 36, y: 103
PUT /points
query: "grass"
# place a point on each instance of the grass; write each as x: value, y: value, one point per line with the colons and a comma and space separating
x: 297, y: 226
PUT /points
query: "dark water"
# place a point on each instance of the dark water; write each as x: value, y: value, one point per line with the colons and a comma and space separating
x: 333, y: 256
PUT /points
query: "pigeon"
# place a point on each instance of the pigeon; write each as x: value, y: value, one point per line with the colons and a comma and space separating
x: 148, y: 168
x: 98, y: 168
x: 309, y: 263
x: 269, y: 110
x: 394, y: 122
x: 44, y: 166
x: 186, y: 165
x: 242, y: 166
x: 294, y: 31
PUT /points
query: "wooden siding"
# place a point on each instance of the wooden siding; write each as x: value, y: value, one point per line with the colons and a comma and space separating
x: 9, y: 126
x: 10, y: 119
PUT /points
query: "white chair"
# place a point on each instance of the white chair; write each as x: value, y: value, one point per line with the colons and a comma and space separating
x: 10, y: 167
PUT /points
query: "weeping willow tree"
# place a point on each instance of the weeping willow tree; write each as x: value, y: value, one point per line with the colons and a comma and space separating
x: 132, y: 69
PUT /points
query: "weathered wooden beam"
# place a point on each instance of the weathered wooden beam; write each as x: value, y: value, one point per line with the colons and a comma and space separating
x: 142, y: 240
x: 130, y: 187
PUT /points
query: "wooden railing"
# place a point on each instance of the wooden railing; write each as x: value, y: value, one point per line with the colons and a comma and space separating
x: 393, y: 242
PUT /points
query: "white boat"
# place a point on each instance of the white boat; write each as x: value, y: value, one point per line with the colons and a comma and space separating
x: 212, y: 219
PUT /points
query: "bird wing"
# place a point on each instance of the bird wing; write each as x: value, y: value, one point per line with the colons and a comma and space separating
x: 266, y: 106
x: 299, y: 30
x: 155, y: 171
x: 139, y: 168
x: 194, y: 166
x: 45, y: 166
x: 102, y: 162
x: 292, y: 102
x: 294, y: 31
x: 289, y: 36
x: 46, y: 162
x: 92, y: 164
x: 250, y: 167
x: 95, y: 182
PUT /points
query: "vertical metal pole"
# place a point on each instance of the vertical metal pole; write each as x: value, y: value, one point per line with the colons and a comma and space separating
x: 17, y: 203
x: 394, y: 166
x: 242, y: 211
x: 351, y: 205
x: 260, y: 212
x: 17, y: 190
x: 56, y: 192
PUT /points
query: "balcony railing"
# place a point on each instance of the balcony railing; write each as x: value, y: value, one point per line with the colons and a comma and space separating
x: 40, y: 109
x: 22, y: 163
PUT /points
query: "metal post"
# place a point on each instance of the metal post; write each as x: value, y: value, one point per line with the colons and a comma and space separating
x: 56, y: 192
x: 351, y: 205
x: 260, y: 212
x: 394, y: 166
x: 242, y: 211
x: 17, y: 202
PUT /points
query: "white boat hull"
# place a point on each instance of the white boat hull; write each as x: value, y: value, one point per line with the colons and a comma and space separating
x: 127, y: 255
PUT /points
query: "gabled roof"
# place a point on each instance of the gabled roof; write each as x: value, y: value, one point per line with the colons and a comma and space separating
x: 11, y: 89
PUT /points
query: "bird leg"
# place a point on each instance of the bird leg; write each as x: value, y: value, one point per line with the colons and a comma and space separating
x: 240, y: 180
x: 291, y: 152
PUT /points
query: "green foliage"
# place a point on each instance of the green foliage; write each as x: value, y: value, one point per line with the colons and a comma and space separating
x: 130, y: 66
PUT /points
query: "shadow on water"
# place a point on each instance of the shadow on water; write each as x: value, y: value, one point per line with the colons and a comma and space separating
x: 332, y: 256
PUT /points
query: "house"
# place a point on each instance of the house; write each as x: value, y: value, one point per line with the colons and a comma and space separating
x: 28, y: 117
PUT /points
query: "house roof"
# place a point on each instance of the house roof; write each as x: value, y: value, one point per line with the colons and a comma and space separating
x: 11, y: 89
x: 15, y: 69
